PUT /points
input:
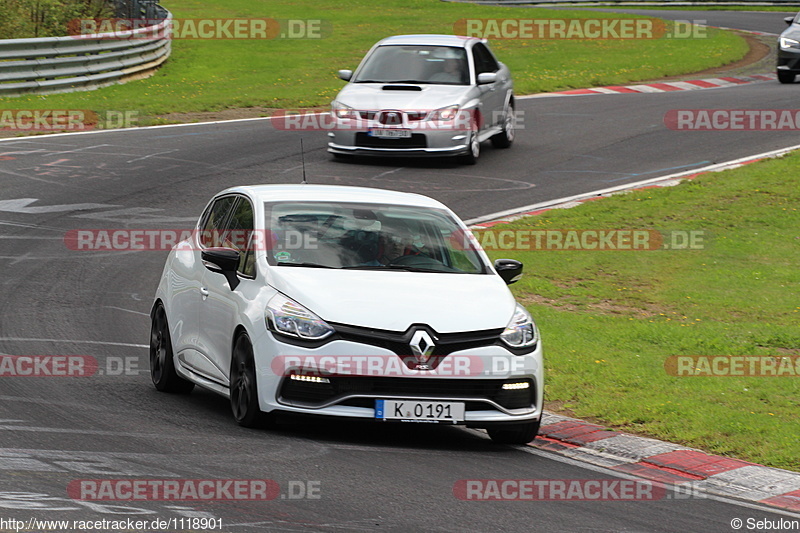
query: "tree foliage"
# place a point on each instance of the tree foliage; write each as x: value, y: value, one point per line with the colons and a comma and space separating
x: 22, y: 19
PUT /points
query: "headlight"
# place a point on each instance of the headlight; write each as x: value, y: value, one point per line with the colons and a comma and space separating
x: 789, y: 43
x: 521, y: 332
x: 290, y: 318
x: 340, y: 110
x: 445, y: 113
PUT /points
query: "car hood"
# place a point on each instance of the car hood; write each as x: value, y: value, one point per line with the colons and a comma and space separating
x: 371, y: 96
x: 792, y: 32
x: 394, y: 300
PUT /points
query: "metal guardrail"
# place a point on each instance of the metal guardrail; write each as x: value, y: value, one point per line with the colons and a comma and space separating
x: 82, y: 62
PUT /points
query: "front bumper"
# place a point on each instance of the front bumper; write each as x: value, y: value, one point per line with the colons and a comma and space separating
x: 353, y: 138
x: 350, y: 395
x: 789, y: 59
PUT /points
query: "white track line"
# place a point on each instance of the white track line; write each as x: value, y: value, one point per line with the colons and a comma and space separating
x: 603, y: 192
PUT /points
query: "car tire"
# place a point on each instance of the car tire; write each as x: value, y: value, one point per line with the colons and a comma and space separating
x: 243, y: 386
x: 474, y: 151
x: 505, y: 138
x: 786, y: 76
x: 162, y: 364
x: 515, y: 434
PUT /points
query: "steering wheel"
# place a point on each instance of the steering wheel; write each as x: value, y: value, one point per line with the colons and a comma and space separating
x: 422, y: 261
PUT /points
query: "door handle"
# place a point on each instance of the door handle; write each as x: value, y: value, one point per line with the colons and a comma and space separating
x: 204, y: 292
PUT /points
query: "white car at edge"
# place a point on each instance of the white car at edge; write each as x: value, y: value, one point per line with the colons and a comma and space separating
x: 346, y: 302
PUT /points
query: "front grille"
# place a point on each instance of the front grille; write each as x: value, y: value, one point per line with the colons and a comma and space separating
x: 313, y: 394
x: 417, y: 140
x: 398, y: 342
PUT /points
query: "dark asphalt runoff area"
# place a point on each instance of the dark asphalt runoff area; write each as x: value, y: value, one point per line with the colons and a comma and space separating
x: 333, y: 476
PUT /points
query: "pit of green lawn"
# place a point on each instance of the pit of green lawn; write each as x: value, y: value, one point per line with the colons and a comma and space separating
x: 610, y: 319
x: 213, y: 75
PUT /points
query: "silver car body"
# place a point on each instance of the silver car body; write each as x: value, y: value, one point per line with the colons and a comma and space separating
x: 484, y: 102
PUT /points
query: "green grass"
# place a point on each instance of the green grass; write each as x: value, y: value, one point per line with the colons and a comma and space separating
x: 212, y: 75
x: 609, y: 319
x: 789, y: 8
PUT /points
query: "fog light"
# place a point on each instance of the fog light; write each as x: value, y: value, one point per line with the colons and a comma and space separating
x: 516, y: 386
x: 309, y: 379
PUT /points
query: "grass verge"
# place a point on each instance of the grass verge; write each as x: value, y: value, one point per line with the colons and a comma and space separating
x: 213, y: 75
x: 610, y: 319
x: 754, y: 9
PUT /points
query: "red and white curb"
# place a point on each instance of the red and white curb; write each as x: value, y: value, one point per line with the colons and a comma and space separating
x: 504, y: 217
x: 668, y: 463
x: 661, y: 87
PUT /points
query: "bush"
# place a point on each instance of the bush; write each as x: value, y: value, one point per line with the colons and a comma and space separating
x: 22, y: 19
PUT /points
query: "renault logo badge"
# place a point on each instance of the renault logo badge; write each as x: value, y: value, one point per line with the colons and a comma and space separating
x: 422, y: 346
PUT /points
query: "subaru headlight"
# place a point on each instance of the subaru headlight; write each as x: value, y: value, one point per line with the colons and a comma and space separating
x: 789, y: 43
x: 521, y: 331
x: 340, y: 110
x: 290, y: 318
x: 444, y: 113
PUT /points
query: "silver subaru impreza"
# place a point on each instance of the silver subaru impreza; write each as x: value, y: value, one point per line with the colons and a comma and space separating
x: 424, y: 95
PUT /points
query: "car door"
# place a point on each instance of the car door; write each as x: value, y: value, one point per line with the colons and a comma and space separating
x: 187, y: 296
x: 492, y: 95
x: 185, y: 277
x: 221, y: 307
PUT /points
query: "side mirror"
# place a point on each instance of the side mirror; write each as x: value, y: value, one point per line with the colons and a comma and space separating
x: 223, y: 261
x: 509, y: 269
x: 485, y: 78
x: 345, y: 74
x: 788, y: 20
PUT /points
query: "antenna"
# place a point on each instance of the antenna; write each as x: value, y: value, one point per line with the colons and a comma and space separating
x: 303, y: 161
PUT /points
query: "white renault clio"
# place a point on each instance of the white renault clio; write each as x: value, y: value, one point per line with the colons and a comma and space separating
x: 346, y: 302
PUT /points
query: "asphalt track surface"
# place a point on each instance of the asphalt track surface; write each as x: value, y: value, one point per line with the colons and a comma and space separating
x: 114, y: 425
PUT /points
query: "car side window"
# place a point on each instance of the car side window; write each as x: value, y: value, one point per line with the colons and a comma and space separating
x: 239, y: 236
x: 214, y: 220
x: 484, y: 60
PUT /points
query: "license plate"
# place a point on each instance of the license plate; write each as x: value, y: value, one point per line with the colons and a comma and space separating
x: 390, y: 133
x: 419, y: 411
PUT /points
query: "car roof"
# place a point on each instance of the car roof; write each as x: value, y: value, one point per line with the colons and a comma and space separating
x: 332, y: 193
x: 429, y: 39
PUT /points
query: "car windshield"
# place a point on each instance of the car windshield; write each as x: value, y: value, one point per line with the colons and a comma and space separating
x: 368, y: 237
x: 445, y: 65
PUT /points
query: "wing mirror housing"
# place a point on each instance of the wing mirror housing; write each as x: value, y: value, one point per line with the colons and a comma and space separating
x: 485, y: 78
x: 509, y: 269
x: 223, y: 261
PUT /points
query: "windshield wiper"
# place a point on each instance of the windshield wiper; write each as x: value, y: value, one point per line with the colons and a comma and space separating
x: 304, y: 264
x: 393, y: 267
